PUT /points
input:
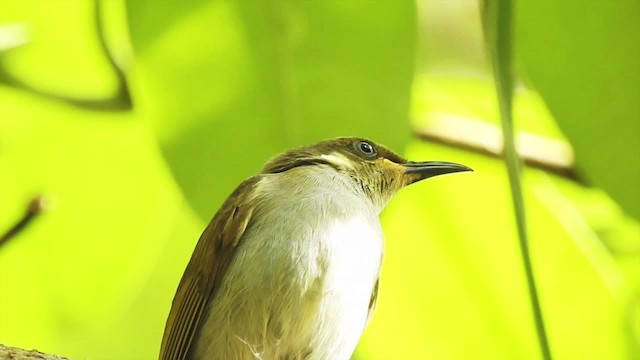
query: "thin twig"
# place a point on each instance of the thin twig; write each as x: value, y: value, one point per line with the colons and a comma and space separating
x: 34, y: 208
x: 121, y: 101
x: 123, y: 96
x: 112, y: 104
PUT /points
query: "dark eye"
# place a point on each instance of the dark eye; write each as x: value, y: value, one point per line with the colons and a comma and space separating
x: 366, y: 149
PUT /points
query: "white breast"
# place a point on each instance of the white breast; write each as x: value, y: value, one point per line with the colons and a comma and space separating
x: 301, y: 281
x: 355, y: 253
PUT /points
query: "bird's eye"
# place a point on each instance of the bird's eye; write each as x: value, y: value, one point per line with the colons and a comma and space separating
x: 366, y: 149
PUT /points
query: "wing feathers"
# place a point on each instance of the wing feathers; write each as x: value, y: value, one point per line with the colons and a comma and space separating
x: 185, y: 317
x: 373, y: 301
x: 205, y: 270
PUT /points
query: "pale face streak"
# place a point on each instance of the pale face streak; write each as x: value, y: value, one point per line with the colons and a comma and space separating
x: 338, y: 159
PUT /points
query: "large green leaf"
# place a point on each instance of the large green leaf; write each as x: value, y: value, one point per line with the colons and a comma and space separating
x: 582, y: 56
x: 226, y: 84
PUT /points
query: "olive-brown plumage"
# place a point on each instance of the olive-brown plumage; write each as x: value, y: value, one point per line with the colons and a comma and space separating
x: 288, y: 267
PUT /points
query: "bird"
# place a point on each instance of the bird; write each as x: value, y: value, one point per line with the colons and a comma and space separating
x: 288, y: 267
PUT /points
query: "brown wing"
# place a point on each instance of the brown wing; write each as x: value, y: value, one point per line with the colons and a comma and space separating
x: 373, y: 301
x: 206, y: 269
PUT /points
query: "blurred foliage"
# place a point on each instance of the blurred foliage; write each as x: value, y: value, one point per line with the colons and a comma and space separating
x: 583, y: 57
x: 219, y: 86
x: 276, y: 73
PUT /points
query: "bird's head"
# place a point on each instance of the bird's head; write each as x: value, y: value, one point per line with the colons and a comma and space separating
x: 378, y: 171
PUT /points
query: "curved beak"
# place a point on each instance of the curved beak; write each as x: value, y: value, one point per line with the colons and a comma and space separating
x: 417, y: 171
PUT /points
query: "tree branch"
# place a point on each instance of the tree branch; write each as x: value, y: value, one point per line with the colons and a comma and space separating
x: 121, y: 101
x: 11, y: 353
x: 554, y: 156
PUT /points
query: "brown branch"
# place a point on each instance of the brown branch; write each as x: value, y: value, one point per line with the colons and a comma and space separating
x: 111, y: 104
x: 35, y: 207
x: 123, y: 96
x: 11, y: 353
x: 536, y: 151
x: 121, y: 101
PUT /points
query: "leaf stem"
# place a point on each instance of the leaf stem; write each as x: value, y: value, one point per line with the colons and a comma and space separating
x: 497, y: 18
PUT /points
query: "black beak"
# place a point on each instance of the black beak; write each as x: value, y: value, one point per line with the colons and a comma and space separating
x: 427, y: 169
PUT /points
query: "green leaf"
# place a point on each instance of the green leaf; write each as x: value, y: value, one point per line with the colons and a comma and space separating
x: 227, y: 84
x: 582, y: 56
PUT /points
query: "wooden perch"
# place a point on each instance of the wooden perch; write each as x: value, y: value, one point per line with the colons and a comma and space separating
x: 11, y: 353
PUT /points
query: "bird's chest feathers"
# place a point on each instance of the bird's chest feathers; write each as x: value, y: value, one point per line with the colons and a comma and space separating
x: 353, y: 249
x: 330, y: 230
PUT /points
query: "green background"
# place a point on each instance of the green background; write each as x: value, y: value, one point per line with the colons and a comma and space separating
x: 136, y: 119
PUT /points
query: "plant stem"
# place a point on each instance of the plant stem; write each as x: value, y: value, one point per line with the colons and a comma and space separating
x: 497, y: 16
